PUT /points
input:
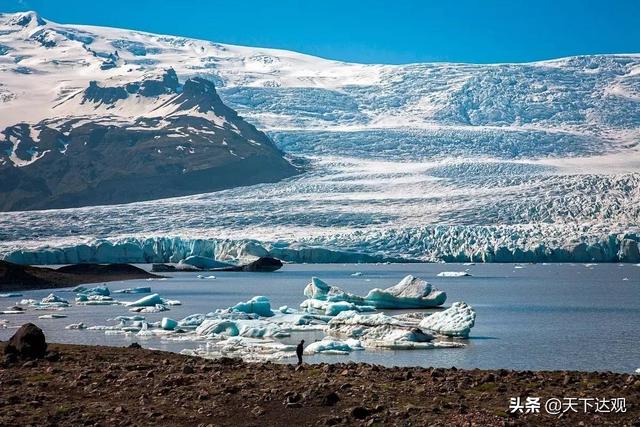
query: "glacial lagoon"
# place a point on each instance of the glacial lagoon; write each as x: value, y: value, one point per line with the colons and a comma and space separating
x: 529, y: 316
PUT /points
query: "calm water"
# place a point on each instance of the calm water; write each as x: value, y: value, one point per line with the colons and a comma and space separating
x: 556, y: 316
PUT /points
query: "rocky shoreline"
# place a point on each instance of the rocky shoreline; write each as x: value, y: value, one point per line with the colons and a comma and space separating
x: 89, y: 385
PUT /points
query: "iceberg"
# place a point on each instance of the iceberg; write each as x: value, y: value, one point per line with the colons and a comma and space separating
x: 330, y: 346
x: 52, y: 300
x: 244, y: 328
x: 456, y: 321
x: 410, y: 292
x: 158, y: 308
x: 376, y: 330
x: 332, y: 308
x: 259, y: 305
x: 320, y: 290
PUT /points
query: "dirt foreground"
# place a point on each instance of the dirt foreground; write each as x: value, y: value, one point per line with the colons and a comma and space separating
x: 107, y: 386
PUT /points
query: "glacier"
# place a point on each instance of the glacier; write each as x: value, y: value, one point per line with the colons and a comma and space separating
x: 530, y: 162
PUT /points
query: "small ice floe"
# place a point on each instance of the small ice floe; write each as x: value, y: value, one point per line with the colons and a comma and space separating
x: 148, y: 301
x: 331, y: 346
x: 53, y: 300
x: 11, y: 295
x: 200, y: 276
x: 95, y: 299
x: 456, y: 321
x: 76, y: 326
x: 590, y: 265
x: 454, y: 274
x: 638, y: 371
x: 158, y: 308
x: 52, y: 316
x: 4, y: 323
x: 357, y: 274
x: 138, y: 290
x: 518, y: 267
x: 624, y: 279
x: 469, y: 263
x: 11, y: 311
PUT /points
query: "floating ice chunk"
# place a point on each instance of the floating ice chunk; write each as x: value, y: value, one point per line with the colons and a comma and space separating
x: 148, y: 301
x: 223, y: 327
x: 168, y: 324
x: 375, y: 330
x: 259, y: 305
x: 286, y: 310
x: 27, y: 302
x: 454, y: 274
x: 329, y: 346
x: 98, y: 290
x: 518, y: 267
x: 125, y: 319
x: 11, y: 295
x: 51, y: 301
x: 357, y: 274
x: 200, y: 276
x: 332, y: 308
x: 456, y: 321
x: 84, y: 299
x: 410, y: 292
x: 52, y: 316
x: 171, y: 302
x: 158, y: 308
x: 11, y: 312
x: 245, y: 328
x: 138, y: 290
x: 76, y: 326
x: 192, y: 321
x: 322, y: 291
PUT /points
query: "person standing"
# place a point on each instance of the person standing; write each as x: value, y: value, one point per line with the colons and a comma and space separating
x: 299, y: 350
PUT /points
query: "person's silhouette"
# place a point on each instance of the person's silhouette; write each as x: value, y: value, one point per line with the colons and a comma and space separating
x: 299, y: 350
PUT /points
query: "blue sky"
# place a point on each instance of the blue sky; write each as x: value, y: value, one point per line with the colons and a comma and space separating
x: 372, y: 31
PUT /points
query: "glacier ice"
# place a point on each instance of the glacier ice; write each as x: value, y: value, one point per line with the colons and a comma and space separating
x: 456, y: 321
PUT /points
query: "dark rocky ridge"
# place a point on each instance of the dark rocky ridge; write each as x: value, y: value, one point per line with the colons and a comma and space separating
x: 110, y: 162
x: 23, y: 277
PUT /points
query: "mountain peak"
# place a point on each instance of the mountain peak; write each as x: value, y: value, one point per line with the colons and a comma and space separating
x: 25, y: 19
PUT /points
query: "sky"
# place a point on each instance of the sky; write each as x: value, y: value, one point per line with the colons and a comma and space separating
x: 373, y: 31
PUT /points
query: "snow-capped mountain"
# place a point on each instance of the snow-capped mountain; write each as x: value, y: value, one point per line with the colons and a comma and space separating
x: 500, y: 162
x: 75, y: 134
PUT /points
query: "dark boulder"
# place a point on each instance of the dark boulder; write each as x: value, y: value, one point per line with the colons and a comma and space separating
x: 263, y: 264
x: 27, y: 343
